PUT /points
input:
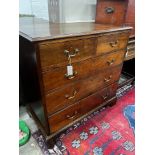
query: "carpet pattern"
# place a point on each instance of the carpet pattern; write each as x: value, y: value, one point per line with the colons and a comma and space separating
x: 107, y: 131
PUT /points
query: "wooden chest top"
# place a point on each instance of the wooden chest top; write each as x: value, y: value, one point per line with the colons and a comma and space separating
x: 35, y: 29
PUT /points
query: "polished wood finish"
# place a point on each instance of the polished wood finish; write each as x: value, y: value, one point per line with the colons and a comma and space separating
x: 111, y: 42
x: 116, y: 12
x: 59, y: 99
x: 96, y: 53
x: 35, y: 29
x: 53, y: 53
x: 130, y: 16
x: 121, y: 12
x: 71, y: 113
x: 130, y: 21
x: 55, y: 78
x: 55, y: 135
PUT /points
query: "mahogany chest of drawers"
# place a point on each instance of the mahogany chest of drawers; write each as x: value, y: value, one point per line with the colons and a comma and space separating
x: 69, y: 70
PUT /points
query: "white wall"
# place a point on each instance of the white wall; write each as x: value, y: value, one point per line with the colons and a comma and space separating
x: 25, y: 7
x: 39, y: 8
x: 77, y: 10
x: 66, y: 11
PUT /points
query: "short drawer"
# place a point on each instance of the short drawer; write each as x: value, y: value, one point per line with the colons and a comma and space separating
x: 56, y: 53
x: 111, y: 42
x: 68, y: 115
x: 57, y: 77
x: 64, y: 97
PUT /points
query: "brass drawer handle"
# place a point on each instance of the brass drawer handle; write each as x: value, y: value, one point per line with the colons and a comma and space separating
x: 108, y: 79
x: 74, y: 115
x: 69, y: 77
x: 111, y: 62
x: 114, y: 43
x: 109, y: 10
x: 71, y: 54
x: 127, y: 52
x: 71, y: 97
x: 105, y: 97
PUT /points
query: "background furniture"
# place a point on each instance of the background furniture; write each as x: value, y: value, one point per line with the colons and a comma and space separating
x: 62, y: 95
x: 116, y: 12
x: 111, y: 11
x: 122, y: 13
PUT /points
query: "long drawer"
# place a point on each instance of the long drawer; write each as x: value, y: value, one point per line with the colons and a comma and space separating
x: 57, y: 77
x: 66, y: 96
x: 66, y: 116
x: 56, y: 53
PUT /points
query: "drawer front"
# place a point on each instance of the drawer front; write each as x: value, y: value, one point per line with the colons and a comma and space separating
x: 66, y: 116
x: 66, y: 96
x: 112, y: 42
x: 111, y: 11
x: 56, y: 53
x: 56, y: 77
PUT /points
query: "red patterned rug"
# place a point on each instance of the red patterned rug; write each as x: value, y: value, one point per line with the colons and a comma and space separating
x: 109, y: 132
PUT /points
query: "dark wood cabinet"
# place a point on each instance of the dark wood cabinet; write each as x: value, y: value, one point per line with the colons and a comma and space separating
x: 130, y: 16
x: 116, y: 12
x: 111, y: 11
